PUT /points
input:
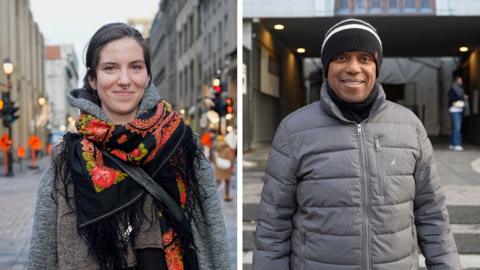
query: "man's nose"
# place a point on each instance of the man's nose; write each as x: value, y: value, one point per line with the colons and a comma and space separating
x: 353, y: 65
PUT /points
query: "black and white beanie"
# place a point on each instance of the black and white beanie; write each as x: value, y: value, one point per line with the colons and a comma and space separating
x: 351, y: 35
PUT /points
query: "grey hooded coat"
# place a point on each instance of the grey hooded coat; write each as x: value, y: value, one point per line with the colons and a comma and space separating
x: 341, y: 195
x: 55, y: 243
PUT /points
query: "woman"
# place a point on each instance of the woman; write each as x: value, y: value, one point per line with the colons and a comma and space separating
x: 90, y: 213
x: 223, y: 160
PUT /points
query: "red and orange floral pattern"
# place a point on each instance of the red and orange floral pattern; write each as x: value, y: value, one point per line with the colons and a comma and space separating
x: 103, y: 177
x: 173, y: 251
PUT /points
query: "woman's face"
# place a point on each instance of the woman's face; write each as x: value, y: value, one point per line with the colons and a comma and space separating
x: 121, y: 79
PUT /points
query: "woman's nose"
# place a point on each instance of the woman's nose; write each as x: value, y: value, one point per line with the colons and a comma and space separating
x: 124, y: 78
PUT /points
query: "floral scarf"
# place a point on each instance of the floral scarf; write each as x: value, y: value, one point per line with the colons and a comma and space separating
x: 109, y: 203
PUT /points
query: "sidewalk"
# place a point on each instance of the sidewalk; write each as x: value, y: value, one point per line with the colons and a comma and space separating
x: 17, y: 202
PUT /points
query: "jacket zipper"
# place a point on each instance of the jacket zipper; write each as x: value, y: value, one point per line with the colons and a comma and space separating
x: 380, y: 172
x: 365, y: 200
x: 304, y: 242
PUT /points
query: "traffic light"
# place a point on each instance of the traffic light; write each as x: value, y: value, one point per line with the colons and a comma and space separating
x: 229, y: 105
x: 8, y: 111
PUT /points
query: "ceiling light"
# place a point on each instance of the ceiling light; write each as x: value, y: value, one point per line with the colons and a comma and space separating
x: 301, y: 50
x: 279, y: 27
x: 463, y: 49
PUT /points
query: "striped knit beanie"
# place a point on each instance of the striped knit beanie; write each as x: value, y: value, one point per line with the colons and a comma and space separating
x: 351, y: 35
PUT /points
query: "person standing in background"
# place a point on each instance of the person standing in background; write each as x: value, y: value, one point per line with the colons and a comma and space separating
x: 457, y: 101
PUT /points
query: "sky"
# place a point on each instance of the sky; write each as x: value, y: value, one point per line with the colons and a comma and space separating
x: 75, y: 21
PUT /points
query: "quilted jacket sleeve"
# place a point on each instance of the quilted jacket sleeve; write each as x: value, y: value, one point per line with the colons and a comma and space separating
x: 277, y: 207
x: 435, y: 237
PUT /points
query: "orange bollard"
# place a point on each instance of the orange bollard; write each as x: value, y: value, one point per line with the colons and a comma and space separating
x: 5, y: 162
x: 34, y: 158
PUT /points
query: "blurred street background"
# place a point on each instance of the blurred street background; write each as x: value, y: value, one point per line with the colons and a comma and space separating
x: 42, y: 42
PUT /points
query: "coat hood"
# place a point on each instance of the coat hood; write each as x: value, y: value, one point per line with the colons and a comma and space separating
x: 81, y: 99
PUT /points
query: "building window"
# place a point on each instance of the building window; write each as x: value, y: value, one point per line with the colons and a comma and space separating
x: 209, y: 46
x: 427, y: 6
x: 185, y: 85
x: 220, y: 36
x: 410, y: 4
x: 392, y: 4
x: 376, y: 4
x: 359, y: 4
x: 180, y: 85
x: 190, y: 25
x: 192, y: 81
x: 160, y: 77
x: 225, y: 23
x: 214, y: 34
x: 180, y: 40
x: 343, y: 4
x: 185, y: 37
x: 199, y: 20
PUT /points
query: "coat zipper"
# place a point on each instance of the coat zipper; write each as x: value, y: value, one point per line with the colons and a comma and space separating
x: 302, y: 258
x: 380, y: 172
x: 365, y: 200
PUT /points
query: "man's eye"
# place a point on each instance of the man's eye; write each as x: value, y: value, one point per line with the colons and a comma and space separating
x: 366, y: 59
x: 340, y: 58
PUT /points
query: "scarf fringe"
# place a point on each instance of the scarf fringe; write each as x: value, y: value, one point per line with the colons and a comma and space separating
x: 109, y: 239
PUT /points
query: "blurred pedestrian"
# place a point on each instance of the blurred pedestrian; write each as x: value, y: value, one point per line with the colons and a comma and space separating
x: 223, y: 158
x: 457, y: 103
x: 94, y: 210
x: 351, y: 181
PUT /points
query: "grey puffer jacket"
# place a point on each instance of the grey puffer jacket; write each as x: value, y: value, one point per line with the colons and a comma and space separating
x: 341, y: 195
x: 55, y: 243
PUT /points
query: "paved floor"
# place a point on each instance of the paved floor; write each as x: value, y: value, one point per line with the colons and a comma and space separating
x: 17, y: 202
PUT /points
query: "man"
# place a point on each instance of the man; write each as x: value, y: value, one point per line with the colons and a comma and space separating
x: 351, y: 182
x: 457, y: 104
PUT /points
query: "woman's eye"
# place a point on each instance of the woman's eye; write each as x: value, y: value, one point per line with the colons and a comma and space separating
x: 137, y: 67
x: 109, y: 68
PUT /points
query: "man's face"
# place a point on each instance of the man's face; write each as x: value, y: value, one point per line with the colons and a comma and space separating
x: 351, y: 75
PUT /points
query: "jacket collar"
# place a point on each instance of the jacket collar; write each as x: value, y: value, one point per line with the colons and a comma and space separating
x: 332, y: 109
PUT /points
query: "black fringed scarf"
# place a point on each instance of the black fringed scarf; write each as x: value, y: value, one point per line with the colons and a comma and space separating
x: 109, y: 203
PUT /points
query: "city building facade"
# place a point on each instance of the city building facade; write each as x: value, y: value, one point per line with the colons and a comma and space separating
x: 185, y: 62
x: 22, y: 42
x: 163, y: 49
x: 61, y: 75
